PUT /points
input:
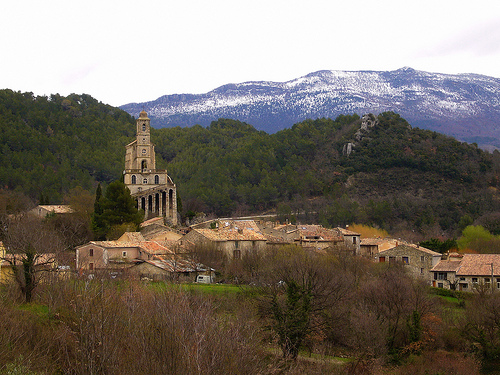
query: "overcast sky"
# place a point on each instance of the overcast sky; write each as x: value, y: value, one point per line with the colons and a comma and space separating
x: 134, y: 51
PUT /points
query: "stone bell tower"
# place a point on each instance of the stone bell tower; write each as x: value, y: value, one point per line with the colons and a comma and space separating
x: 153, y: 188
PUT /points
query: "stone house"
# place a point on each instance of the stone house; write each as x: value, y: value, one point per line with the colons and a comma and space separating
x: 469, y: 273
x: 51, y: 209
x: 234, y: 238
x: 351, y: 239
x: 318, y: 238
x: 371, y: 246
x: 310, y: 237
x: 418, y: 260
x: 116, y: 258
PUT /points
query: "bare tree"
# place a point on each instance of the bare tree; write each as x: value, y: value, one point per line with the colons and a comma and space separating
x: 31, y: 250
x: 299, y: 291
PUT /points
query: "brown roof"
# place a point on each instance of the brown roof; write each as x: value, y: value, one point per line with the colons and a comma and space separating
x: 154, y: 248
x: 310, y: 232
x: 57, y: 208
x: 232, y: 234
x: 347, y: 232
x: 410, y: 245
x: 446, y: 266
x: 151, y: 247
x: 131, y: 237
x: 479, y: 264
x: 155, y: 220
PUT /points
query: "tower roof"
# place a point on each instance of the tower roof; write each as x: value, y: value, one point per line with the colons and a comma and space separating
x: 143, y: 114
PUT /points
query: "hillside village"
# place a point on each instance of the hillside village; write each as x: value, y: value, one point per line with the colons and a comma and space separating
x: 166, y: 251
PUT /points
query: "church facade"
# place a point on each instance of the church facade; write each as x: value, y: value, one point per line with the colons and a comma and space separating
x: 153, y: 188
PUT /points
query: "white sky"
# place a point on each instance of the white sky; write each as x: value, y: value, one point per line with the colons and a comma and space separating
x: 122, y: 51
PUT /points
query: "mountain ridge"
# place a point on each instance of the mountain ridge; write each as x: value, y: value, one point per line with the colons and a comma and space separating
x: 464, y: 105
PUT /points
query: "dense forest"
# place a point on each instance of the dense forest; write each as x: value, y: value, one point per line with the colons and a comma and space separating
x: 397, y: 178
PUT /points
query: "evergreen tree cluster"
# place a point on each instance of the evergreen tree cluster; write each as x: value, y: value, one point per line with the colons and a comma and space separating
x: 49, y: 145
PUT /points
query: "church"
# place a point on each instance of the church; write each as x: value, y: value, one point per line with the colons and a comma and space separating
x: 153, y: 188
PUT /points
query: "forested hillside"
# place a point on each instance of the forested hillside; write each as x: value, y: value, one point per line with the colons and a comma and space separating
x: 52, y: 144
x: 397, y: 177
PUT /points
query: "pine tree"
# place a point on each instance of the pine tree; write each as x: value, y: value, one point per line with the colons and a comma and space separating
x: 115, y: 208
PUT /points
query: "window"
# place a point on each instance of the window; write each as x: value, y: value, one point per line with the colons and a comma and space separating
x: 498, y: 283
x: 422, y: 258
x: 406, y: 260
x: 440, y: 276
x: 143, y: 151
x: 143, y: 127
x: 157, y: 179
x: 237, y: 254
x: 392, y: 259
x: 474, y: 280
x: 124, y: 254
x: 236, y: 244
x: 134, y: 179
x: 421, y: 271
x: 91, y: 266
x: 381, y: 259
x: 440, y: 285
x: 145, y: 181
x: 464, y: 286
x: 354, y: 240
x: 91, y: 252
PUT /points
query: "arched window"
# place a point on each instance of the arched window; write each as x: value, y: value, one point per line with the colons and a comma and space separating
x: 157, y: 180
x: 145, y: 181
x: 144, y: 164
x: 143, y: 127
x: 134, y: 179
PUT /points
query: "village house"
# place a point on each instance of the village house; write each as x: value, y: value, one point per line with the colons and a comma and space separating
x: 311, y: 237
x: 316, y: 237
x: 233, y: 237
x: 469, y: 273
x: 418, y: 259
x: 352, y: 239
x: 371, y: 246
x: 155, y: 230
x: 42, y: 211
x: 123, y: 258
x: 46, y: 261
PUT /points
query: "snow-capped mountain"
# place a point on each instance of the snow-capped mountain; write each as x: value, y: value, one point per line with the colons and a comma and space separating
x: 466, y: 106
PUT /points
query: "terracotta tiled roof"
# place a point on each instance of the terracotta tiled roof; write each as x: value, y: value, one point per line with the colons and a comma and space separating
x: 479, y: 264
x: 231, y: 234
x: 275, y: 239
x: 154, y: 248
x: 408, y: 245
x: 239, y: 224
x: 155, y: 220
x: 131, y: 237
x: 347, y: 232
x: 310, y: 232
x: 446, y: 266
x: 150, y: 247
